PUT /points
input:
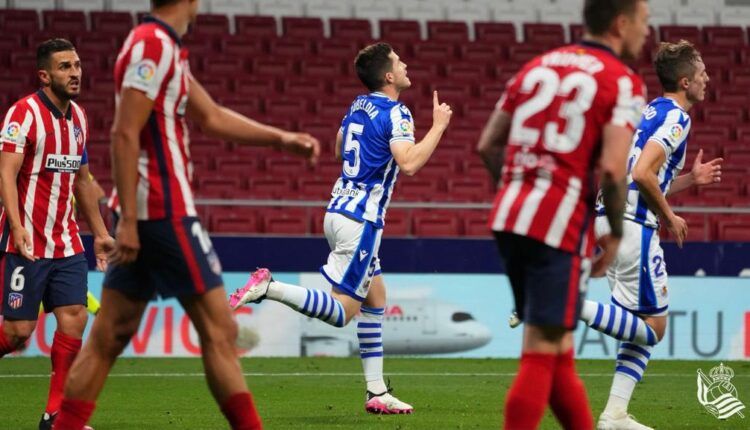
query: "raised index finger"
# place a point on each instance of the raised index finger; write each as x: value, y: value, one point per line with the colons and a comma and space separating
x: 435, y: 102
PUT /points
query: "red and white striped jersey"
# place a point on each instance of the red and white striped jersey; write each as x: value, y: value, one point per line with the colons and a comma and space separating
x: 560, y: 103
x: 153, y: 60
x: 54, y: 148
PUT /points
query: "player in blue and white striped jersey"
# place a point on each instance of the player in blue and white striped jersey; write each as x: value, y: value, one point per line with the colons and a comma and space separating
x: 638, y: 275
x: 375, y: 142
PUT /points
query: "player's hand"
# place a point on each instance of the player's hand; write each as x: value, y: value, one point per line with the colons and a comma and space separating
x: 677, y: 228
x: 441, y: 112
x: 301, y: 144
x: 608, y: 245
x: 22, y: 242
x: 126, y: 243
x: 103, y: 247
x: 706, y: 173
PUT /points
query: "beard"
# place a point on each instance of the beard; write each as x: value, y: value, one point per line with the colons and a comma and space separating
x: 61, y: 91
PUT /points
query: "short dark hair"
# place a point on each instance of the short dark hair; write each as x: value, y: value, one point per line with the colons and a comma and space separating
x: 599, y: 14
x: 372, y: 63
x: 159, y: 3
x: 675, y: 61
x: 45, y: 50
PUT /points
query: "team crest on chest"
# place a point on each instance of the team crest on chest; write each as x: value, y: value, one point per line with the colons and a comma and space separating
x: 78, y: 133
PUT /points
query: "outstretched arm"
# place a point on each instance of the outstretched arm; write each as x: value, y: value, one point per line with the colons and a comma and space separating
x: 226, y: 124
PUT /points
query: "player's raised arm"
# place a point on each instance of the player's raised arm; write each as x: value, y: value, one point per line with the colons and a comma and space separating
x: 491, y: 147
x: 10, y: 165
x: 645, y: 175
x: 411, y: 157
x: 131, y: 115
x: 223, y: 123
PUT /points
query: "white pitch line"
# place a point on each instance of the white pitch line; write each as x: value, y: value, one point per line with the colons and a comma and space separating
x: 316, y: 374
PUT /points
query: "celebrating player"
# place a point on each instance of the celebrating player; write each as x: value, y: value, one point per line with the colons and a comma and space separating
x: 638, y: 275
x: 376, y: 141
x: 42, y: 166
x: 161, y: 246
x: 557, y: 115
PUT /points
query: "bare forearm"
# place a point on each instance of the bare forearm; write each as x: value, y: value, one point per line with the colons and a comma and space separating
x: 9, y: 193
x: 682, y: 183
x: 493, y: 158
x: 125, y: 152
x: 648, y: 186
x: 231, y: 126
x: 613, y: 197
x: 89, y: 206
x: 418, y: 154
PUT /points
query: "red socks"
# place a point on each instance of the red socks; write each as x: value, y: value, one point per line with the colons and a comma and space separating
x: 568, y: 399
x: 528, y: 396
x: 5, y: 346
x: 74, y: 414
x: 64, y: 351
x: 240, y: 412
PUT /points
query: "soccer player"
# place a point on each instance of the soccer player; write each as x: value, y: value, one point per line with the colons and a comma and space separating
x: 563, y: 112
x: 376, y: 141
x: 638, y: 276
x: 42, y: 166
x: 161, y: 247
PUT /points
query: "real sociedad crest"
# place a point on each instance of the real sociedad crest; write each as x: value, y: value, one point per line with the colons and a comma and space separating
x: 717, y: 394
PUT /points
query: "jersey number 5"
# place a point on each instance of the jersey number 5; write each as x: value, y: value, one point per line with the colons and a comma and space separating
x: 572, y: 111
x: 351, y: 146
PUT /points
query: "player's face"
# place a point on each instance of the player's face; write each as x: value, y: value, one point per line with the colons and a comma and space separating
x: 635, y: 31
x: 696, y: 90
x: 398, y: 70
x: 64, y: 75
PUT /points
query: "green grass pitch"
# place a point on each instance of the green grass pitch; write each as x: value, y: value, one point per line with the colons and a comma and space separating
x: 327, y: 393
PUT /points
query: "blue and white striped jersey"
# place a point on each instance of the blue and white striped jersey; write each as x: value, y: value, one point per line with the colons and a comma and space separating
x: 666, y: 123
x: 369, y: 171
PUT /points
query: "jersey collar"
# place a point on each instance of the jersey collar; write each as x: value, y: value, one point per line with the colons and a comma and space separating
x: 52, y: 108
x: 597, y: 45
x: 166, y: 27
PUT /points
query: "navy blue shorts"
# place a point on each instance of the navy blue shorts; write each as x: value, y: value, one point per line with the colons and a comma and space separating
x: 549, y: 285
x: 176, y: 259
x: 53, y: 282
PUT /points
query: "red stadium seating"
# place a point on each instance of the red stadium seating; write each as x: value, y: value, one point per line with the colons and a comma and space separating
x: 211, y: 25
x: 495, y: 32
x: 14, y: 21
x: 543, y: 34
x: 285, y: 221
x: 223, y: 219
x: 725, y: 37
x: 302, y: 28
x: 358, y: 30
x: 436, y: 224
x: 115, y: 23
x: 255, y: 27
x: 64, y: 21
x: 400, y: 31
x: 450, y: 32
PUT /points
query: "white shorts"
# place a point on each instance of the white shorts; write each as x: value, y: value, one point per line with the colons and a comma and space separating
x: 638, y: 275
x: 353, y: 260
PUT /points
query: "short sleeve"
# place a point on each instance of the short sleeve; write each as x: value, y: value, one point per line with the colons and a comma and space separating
x: 150, y: 61
x: 85, y: 157
x: 402, y: 124
x: 672, y: 132
x: 507, y: 102
x: 629, y: 103
x: 16, y: 129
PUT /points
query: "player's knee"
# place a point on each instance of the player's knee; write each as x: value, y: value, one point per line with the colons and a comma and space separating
x: 119, y: 336
x: 73, y: 322
x: 19, y: 332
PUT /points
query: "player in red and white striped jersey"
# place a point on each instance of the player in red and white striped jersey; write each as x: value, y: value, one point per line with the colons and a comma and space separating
x: 562, y: 114
x: 42, y: 167
x: 161, y: 247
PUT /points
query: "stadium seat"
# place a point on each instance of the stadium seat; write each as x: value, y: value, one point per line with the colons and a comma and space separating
x: 400, y: 31
x: 673, y: 33
x: 481, y: 52
x: 302, y: 28
x: 338, y: 49
x: 733, y: 229
x: 255, y: 27
x: 272, y: 68
x: 233, y: 219
x: 269, y: 187
x: 285, y: 221
x: 359, y: 30
x: 115, y: 23
x: 416, y: 189
x: 722, y: 115
x: 467, y: 12
x: 724, y: 37
x: 436, y: 224
x: 249, y: 106
x: 211, y: 25
x: 17, y: 21
x: 285, y: 107
x: 290, y: 48
x: 475, y: 223
x: 242, y: 46
x: 497, y: 33
x: 543, y: 34
x: 314, y: 188
x: 375, y: 12
x: 398, y: 223
x: 219, y: 187
x: 64, y: 21
x: 434, y: 51
x: 449, y: 32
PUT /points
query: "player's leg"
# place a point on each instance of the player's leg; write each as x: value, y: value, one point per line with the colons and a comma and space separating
x: 22, y: 286
x: 124, y: 298
x: 378, y: 399
x: 349, y: 269
x: 547, y: 286
x: 217, y: 331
